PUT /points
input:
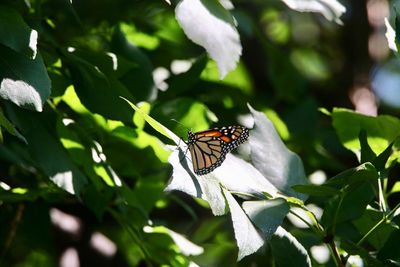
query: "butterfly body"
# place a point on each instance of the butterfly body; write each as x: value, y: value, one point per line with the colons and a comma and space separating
x: 209, y: 148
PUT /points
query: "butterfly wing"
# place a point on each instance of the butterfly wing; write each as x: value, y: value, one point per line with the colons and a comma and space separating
x: 207, y: 154
x: 209, y: 148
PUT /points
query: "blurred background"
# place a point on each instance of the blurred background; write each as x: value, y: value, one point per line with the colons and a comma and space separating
x: 293, y: 63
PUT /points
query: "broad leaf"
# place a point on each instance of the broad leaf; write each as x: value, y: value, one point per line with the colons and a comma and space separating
x: 267, y: 214
x: 24, y: 81
x: 208, y: 24
x: 347, y: 206
x: 316, y: 190
x: 138, y: 74
x: 287, y: 251
x: 16, y: 34
x: 47, y: 151
x: 363, y: 173
x: 234, y: 174
x: 248, y: 239
x: 381, y: 130
x: 272, y: 158
x: 155, y: 124
x: 330, y: 9
x: 380, y: 234
x: 367, y: 155
x: 96, y: 91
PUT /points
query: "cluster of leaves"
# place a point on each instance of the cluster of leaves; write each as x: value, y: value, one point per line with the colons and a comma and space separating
x: 72, y: 140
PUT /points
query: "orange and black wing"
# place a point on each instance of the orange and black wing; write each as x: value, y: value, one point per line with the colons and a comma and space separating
x: 209, y: 148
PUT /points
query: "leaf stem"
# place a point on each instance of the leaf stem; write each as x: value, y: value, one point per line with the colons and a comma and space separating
x: 383, y: 220
x: 337, y: 213
x: 336, y: 255
x: 382, y: 202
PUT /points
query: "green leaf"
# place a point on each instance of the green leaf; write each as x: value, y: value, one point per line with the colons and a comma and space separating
x: 367, y: 155
x: 183, y: 110
x: 380, y: 235
x: 138, y: 78
x: 142, y: 140
x: 287, y: 251
x: 273, y: 159
x: 382, y: 158
x: 47, y: 151
x: 217, y: 33
x: 138, y: 118
x: 316, y: 190
x: 24, y: 81
x: 363, y: 173
x: 6, y: 124
x: 16, y: 34
x: 381, y: 130
x: 155, y: 124
x: 96, y: 91
x: 267, y: 215
x: 348, y: 206
x: 248, y: 239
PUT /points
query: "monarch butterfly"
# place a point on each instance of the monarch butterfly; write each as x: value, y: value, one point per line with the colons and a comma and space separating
x: 208, y: 148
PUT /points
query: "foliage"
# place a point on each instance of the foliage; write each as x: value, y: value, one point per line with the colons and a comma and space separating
x: 93, y: 159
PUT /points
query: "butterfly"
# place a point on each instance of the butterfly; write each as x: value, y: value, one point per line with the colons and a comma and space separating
x: 208, y: 148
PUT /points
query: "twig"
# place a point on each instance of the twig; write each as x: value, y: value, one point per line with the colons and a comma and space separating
x: 336, y: 255
x: 13, y: 230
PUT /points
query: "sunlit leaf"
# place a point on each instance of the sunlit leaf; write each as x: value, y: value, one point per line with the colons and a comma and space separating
x: 155, y: 124
x: 24, y: 81
x: 266, y: 214
x: 330, y: 9
x: 248, y: 239
x: 381, y: 130
x: 187, y: 247
x: 234, y: 174
x: 208, y: 24
x: 96, y: 91
x: 390, y: 36
x: 272, y: 158
x: 47, y: 151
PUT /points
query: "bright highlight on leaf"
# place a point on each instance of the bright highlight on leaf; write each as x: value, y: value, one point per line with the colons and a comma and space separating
x: 211, y: 26
x: 330, y: 9
x: 249, y: 240
x: 390, y: 36
x: 272, y: 158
